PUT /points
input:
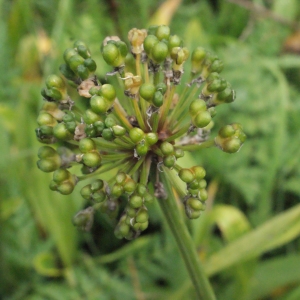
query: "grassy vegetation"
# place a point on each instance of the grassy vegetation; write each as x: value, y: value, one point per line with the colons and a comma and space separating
x: 248, y: 239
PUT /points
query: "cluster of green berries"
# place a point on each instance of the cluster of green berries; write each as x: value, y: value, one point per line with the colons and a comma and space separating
x: 123, y: 141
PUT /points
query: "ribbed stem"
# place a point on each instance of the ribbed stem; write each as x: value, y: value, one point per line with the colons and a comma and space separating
x: 185, y: 243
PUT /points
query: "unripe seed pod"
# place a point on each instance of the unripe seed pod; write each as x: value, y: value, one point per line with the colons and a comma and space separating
x: 130, y: 212
x: 97, y: 185
x: 83, y: 51
x: 135, y: 201
x: 195, y: 204
x: 110, y: 54
x: 86, y: 145
x: 166, y: 148
x: 174, y: 41
x: 46, y: 119
x: 163, y: 32
x: 83, y: 72
x: 148, y: 198
x: 86, y: 192
x: 178, y: 153
x: 69, y: 53
x: 61, y: 175
x: 109, y: 121
x: 143, y: 226
x: 107, y: 134
x: 202, y: 195
x: 47, y: 165
x: 120, y: 178
x: 202, y: 119
x: 147, y: 91
x: 99, y: 125
x: 194, y: 185
x: 92, y: 159
x: 151, y: 138
x: 61, y: 132
x: 231, y: 146
x: 196, y: 106
x: 75, y: 61
x: 46, y: 152
x: 55, y: 81
x: 129, y: 186
x: 108, y: 92
x: 186, y: 175
x: 226, y: 131
x: 202, y: 184
x: 197, y: 58
x: 67, y: 72
x: 161, y: 87
x: 216, y: 66
x: 117, y: 190
x: 193, y: 214
x: 169, y: 161
x: 141, y: 189
x: 199, y: 172
x: 136, y: 134
x: 159, y: 52
x: 149, y: 43
x: 142, y: 215
x: 158, y: 99
x: 142, y: 149
x: 123, y: 229
x: 99, y: 104
x: 90, y: 117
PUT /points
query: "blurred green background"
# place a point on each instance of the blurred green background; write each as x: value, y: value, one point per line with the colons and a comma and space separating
x: 248, y: 239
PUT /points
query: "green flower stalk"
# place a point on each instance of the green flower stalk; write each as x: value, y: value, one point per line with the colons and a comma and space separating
x: 129, y: 146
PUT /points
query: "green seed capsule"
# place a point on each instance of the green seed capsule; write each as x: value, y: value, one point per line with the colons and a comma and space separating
x: 120, y: 178
x: 174, y: 41
x: 69, y: 53
x: 66, y: 188
x: 136, y: 134
x: 202, y: 195
x: 169, y: 161
x: 195, y: 204
x: 54, y: 81
x: 141, y: 189
x: 83, y: 51
x: 148, y: 198
x: 124, y: 229
x: 92, y: 159
x: 108, y: 134
x: 186, y: 175
x: 147, y: 91
x: 61, y: 175
x: 86, y: 145
x: 46, y: 152
x: 99, y: 196
x: 67, y: 72
x: 97, y: 185
x: 99, y: 104
x: 142, y: 215
x: 226, y: 131
x: 159, y: 52
x: 202, y: 119
x: 142, y: 149
x: 90, y: 117
x: 46, y: 119
x: 167, y: 148
x: 117, y: 190
x: 232, y: 146
x: 179, y: 153
x: 110, y: 54
x: 163, y: 32
x: 109, y: 122
x: 61, y: 132
x: 83, y: 72
x: 108, y: 92
x: 48, y: 165
x: 135, y: 201
x: 199, y: 172
x: 75, y: 61
x: 158, y: 99
x: 193, y: 214
x: 196, y: 106
x: 130, y: 186
x: 86, y: 192
x: 149, y: 43
x: 130, y: 212
x: 151, y: 138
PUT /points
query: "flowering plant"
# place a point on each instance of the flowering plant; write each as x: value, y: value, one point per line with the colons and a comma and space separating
x: 130, y: 137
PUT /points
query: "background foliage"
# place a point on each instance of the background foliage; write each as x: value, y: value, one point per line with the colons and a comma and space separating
x: 249, y: 237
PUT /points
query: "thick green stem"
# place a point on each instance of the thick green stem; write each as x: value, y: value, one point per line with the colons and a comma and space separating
x: 185, y: 243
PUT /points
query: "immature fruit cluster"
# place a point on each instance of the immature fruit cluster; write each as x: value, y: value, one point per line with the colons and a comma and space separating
x: 124, y: 136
